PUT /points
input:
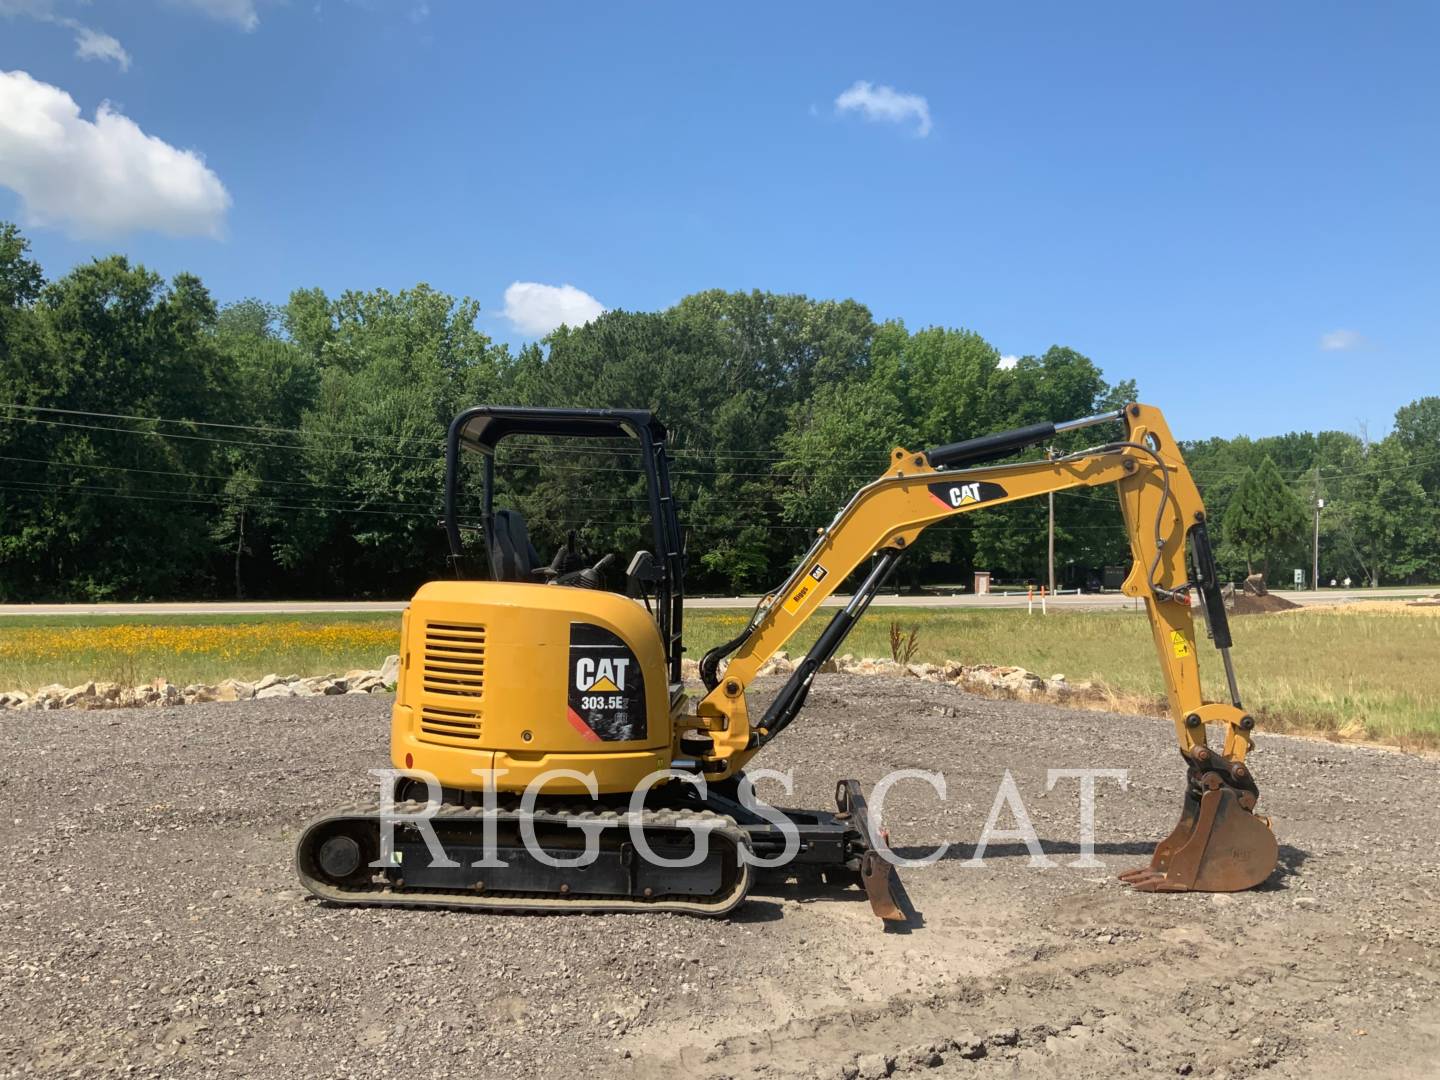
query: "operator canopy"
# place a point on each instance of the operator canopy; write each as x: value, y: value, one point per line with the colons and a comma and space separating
x: 482, y: 427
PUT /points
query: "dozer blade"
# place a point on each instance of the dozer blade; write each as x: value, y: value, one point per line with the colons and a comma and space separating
x: 1218, y: 846
x: 877, y: 874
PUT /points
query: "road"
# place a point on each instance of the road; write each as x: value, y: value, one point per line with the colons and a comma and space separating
x: 1086, y: 602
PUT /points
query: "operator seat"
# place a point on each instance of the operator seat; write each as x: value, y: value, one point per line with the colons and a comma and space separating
x: 512, y: 556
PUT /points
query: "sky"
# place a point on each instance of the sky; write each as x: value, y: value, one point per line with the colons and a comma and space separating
x: 1235, y: 204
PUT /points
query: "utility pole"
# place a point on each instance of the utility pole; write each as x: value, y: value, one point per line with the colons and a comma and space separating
x: 1319, y: 505
x: 1051, y: 558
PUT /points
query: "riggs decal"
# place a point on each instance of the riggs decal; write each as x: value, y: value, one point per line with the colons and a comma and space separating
x: 606, y: 687
x: 805, y: 588
x: 953, y: 496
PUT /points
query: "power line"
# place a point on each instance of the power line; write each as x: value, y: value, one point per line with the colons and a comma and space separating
x: 207, y: 439
x: 213, y: 423
x: 1201, y: 474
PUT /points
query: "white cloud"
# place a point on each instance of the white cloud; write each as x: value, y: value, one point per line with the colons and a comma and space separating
x: 538, y: 309
x: 95, y: 45
x: 90, y: 44
x: 240, y: 12
x: 1342, y: 341
x: 887, y: 104
x: 99, y: 177
x: 1008, y: 361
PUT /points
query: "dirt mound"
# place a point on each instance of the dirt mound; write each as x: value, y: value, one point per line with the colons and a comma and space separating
x: 1261, y: 605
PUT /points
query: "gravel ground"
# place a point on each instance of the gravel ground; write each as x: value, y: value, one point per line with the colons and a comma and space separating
x: 152, y: 925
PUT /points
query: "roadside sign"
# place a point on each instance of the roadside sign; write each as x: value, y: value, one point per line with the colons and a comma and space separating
x: 1299, y: 579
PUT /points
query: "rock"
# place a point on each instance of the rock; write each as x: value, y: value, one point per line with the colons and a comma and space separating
x: 848, y: 1071
x: 267, y: 682
x: 234, y: 690
x: 1057, y: 678
x: 922, y: 1057
x: 366, y: 683
x: 320, y: 685
x: 277, y: 690
x: 928, y: 672
x: 78, y: 694
x: 872, y: 666
x: 776, y: 665
x: 1020, y: 680
x: 873, y: 1066
x: 15, y: 699
x: 1003, y: 1036
x: 968, y: 1045
x: 981, y: 678
x: 689, y: 669
x: 108, y: 692
x: 829, y: 667
x: 390, y: 670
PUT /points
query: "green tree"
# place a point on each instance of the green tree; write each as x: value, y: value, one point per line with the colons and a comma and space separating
x: 98, y: 504
x: 1387, y: 519
x: 1417, y: 430
x: 1011, y: 540
x: 393, y: 368
x: 1264, y: 518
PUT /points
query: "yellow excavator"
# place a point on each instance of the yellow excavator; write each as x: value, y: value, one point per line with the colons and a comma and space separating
x: 549, y: 758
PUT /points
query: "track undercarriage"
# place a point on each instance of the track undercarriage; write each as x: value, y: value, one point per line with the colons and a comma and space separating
x: 566, y: 856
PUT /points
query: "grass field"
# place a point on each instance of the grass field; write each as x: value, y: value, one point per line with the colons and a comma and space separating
x: 1369, y: 673
x: 189, y: 648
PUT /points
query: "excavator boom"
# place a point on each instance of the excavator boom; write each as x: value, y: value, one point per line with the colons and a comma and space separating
x: 1219, y: 844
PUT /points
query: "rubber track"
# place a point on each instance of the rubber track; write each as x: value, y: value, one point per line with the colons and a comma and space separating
x: 384, y: 895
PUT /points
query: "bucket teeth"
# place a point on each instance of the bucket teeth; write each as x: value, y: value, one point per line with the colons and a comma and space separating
x: 1218, y: 846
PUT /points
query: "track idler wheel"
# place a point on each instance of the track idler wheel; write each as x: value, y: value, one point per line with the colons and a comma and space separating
x: 1219, y: 845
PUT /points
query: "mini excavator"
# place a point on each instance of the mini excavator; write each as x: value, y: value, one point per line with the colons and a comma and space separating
x: 542, y: 670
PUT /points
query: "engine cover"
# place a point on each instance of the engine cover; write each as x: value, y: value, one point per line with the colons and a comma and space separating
x: 527, y: 679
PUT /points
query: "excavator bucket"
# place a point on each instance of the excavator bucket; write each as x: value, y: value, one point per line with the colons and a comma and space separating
x: 1218, y: 846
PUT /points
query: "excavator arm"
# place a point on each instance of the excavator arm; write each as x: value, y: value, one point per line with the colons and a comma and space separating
x: 1219, y: 845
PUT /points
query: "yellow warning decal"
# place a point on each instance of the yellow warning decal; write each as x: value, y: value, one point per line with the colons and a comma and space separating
x: 1180, y: 643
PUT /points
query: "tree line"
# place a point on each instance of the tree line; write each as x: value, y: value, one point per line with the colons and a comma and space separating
x: 156, y: 445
